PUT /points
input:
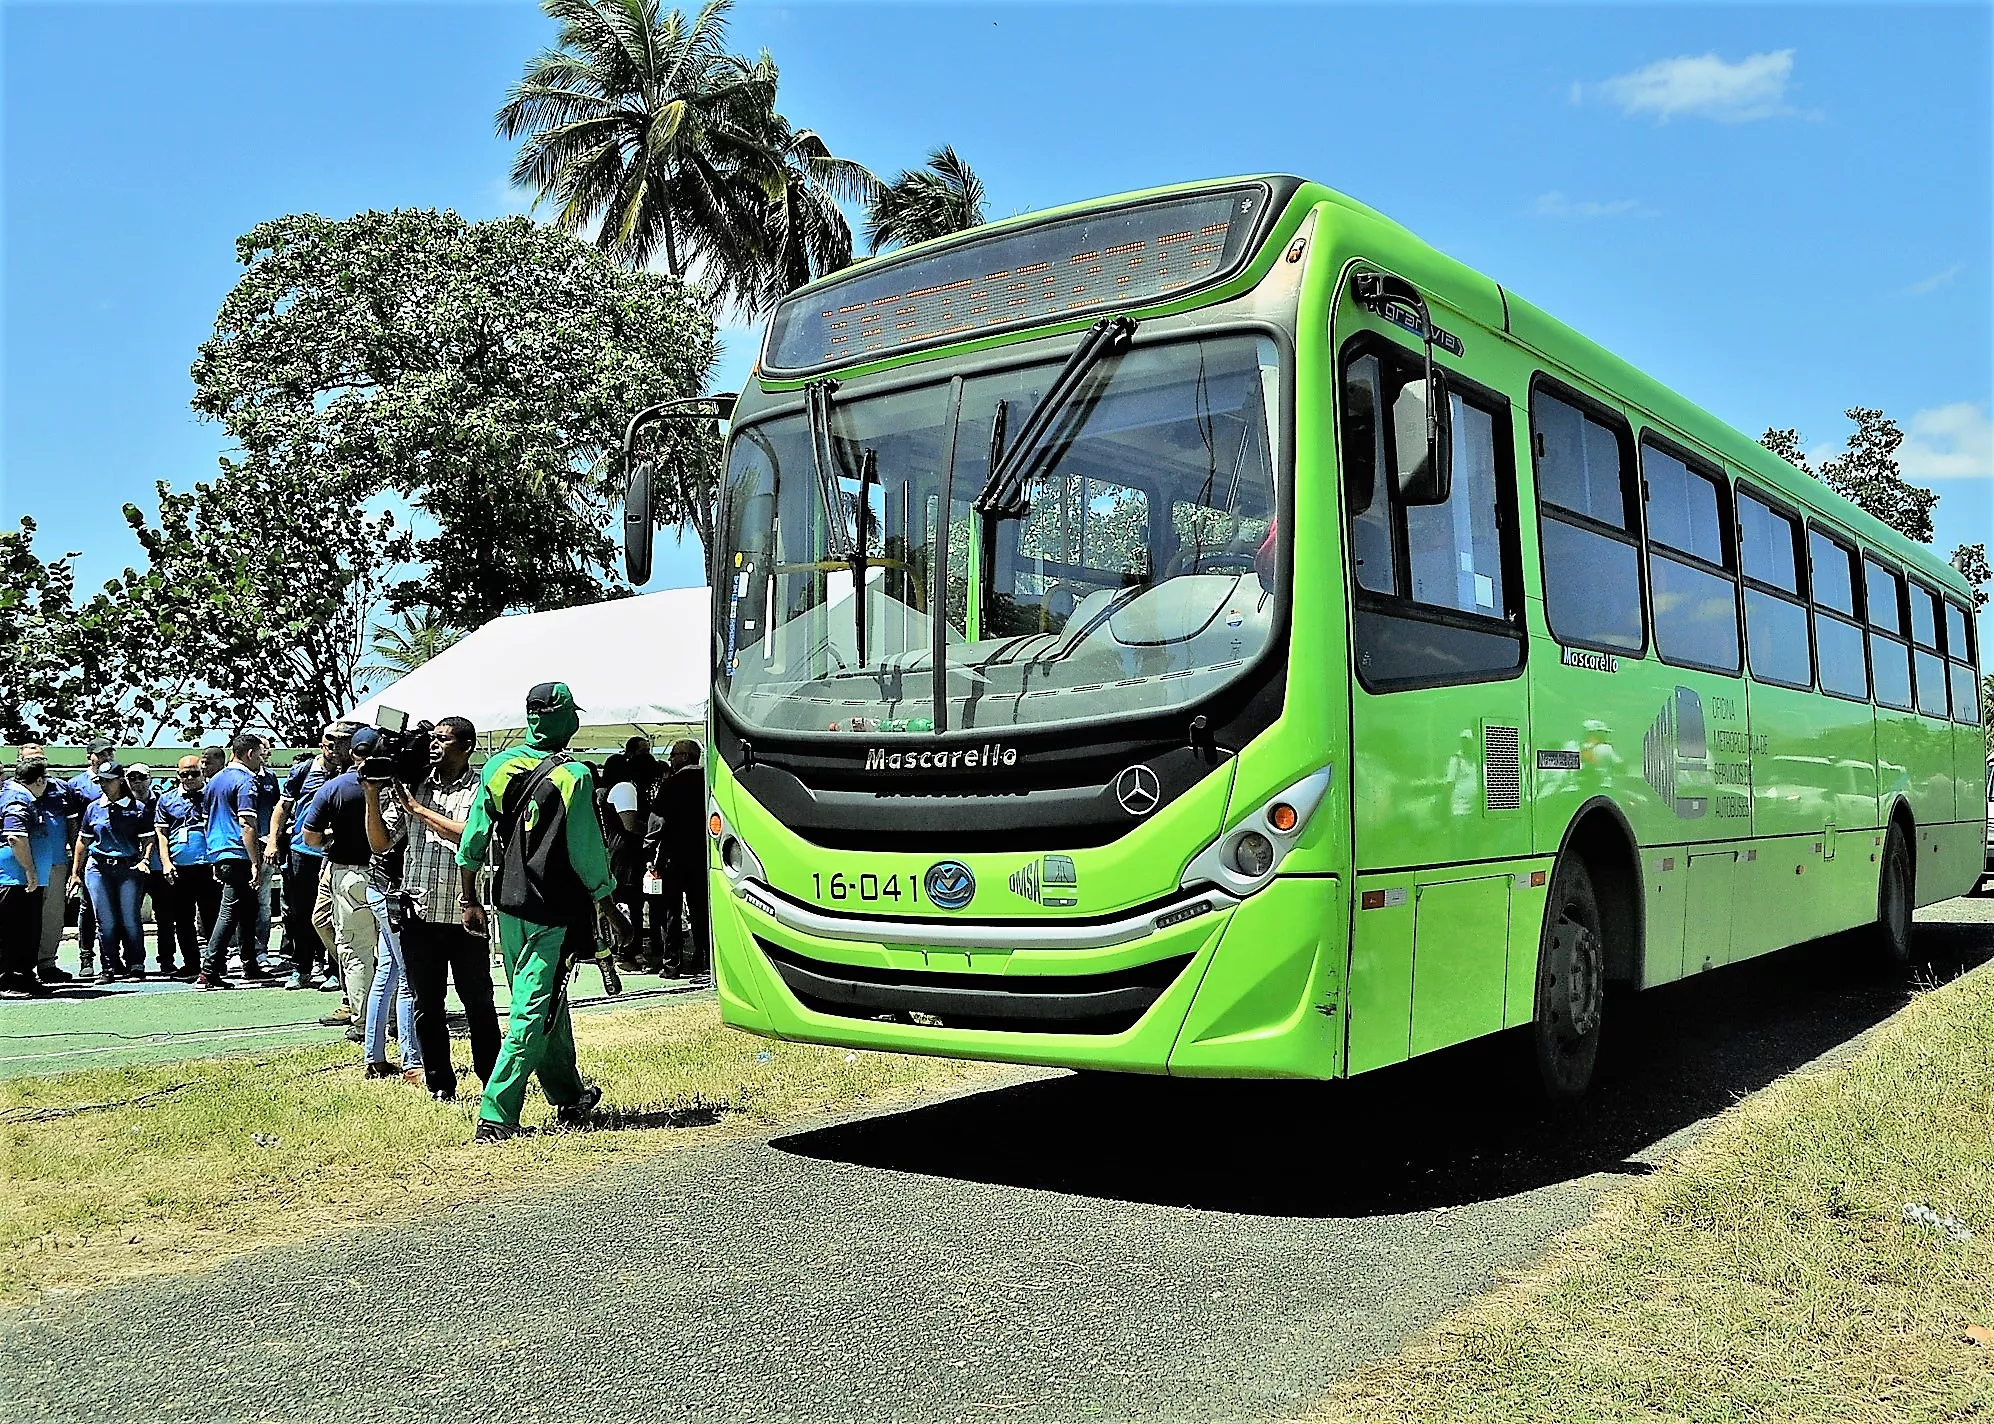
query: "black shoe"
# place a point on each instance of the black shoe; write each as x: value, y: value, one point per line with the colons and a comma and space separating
x: 203, y: 981
x: 55, y: 974
x: 356, y: 1034
x: 254, y: 974
x: 490, y: 1132
x: 24, y: 986
x: 105, y: 976
x: 383, y: 1070
x: 580, y: 1112
x: 136, y: 972
x: 443, y: 1095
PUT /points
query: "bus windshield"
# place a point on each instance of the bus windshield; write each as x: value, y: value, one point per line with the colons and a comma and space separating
x: 1137, y: 576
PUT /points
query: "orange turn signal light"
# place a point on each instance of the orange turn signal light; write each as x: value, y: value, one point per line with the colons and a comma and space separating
x: 1281, y: 816
x: 713, y: 825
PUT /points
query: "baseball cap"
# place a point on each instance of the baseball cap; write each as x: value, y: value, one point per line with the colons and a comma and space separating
x: 109, y: 771
x: 139, y: 769
x: 547, y: 696
x: 102, y: 744
x: 365, y: 739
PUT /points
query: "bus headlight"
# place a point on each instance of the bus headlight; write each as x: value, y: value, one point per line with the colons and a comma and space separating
x: 1252, y: 854
x: 1245, y: 858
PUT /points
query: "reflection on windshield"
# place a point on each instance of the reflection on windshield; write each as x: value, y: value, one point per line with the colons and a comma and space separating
x: 1130, y: 583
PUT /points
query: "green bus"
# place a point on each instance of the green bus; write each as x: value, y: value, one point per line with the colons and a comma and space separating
x: 1211, y: 632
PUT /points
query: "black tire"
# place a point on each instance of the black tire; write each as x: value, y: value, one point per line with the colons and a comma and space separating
x: 1894, y: 885
x: 1571, y: 984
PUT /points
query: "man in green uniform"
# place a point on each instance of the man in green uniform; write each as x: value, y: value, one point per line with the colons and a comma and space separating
x: 538, y: 806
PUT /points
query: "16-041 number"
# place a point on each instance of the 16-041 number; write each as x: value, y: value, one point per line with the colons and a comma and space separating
x: 867, y: 888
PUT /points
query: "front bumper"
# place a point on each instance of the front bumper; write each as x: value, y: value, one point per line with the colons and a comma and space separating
x: 1208, y: 985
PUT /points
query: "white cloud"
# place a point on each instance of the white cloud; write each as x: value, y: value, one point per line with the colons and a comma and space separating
x: 1948, y: 442
x: 508, y: 199
x: 1556, y: 205
x: 1705, y: 86
x: 1935, y: 281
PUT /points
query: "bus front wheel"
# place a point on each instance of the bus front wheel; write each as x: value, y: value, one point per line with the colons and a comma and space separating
x: 1892, y: 932
x: 1571, y: 984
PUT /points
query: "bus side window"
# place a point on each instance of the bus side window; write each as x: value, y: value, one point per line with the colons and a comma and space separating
x: 1591, y: 562
x: 1838, y: 641
x: 1927, y: 654
x: 1775, y: 612
x: 1889, y: 654
x: 1436, y: 590
x: 1695, y: 591
x: 1965, y: 683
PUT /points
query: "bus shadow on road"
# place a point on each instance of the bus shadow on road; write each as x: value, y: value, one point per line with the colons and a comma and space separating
x: 1448, y: 1129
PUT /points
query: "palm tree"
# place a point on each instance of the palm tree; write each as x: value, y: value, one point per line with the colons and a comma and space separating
x: 943, y: 197
x: 803, y: 231
x: 404, y: 646
x: 643, y: 124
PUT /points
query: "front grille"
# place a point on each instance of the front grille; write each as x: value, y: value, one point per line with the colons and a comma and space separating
x: 1065, y: 1003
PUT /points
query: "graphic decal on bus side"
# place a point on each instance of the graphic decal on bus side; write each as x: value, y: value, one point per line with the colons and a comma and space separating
x: 1679, y: 757
x: 1050, y: 881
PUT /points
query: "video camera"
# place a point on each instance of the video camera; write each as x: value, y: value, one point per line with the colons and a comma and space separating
x: 403, y: 751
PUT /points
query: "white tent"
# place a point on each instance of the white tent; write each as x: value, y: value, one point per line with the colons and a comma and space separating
x: 633, y: 664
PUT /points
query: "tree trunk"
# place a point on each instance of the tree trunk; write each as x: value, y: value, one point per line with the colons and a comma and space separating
x: 671, y: 241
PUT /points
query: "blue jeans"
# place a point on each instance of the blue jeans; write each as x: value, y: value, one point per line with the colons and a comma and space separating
x: 391, y: 983
x: 115, y: 894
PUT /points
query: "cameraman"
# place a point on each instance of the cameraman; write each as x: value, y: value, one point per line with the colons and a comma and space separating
x: 427, y: 821
x: 375, y: 756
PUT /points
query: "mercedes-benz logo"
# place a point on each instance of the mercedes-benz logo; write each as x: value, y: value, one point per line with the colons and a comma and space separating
x: 1138, y: 790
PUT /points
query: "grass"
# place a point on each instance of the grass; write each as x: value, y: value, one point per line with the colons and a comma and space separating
x: 112, y: 1172
x: 1767, y: 1272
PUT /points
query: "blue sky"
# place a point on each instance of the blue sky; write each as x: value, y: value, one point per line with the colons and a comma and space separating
x: 1780, y: 211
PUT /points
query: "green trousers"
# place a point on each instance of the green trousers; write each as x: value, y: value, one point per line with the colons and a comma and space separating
x: 540, y: 1038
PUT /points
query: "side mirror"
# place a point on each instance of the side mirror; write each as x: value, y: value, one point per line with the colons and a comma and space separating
x: 1423, y: 436
x: 637, y: 526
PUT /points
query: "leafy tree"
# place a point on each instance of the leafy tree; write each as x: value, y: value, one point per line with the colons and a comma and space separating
x: 253, y: 605
x: 1971, y: 561
x: 482, y: 371
x: 56, y: 660
x: 1866, y: 474
x: 943, y: 197
x: 406, y: 644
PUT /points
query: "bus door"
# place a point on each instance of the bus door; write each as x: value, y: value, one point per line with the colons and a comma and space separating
x: 1439, y: 709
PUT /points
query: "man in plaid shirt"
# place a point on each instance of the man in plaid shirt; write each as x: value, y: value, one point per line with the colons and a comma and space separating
x: 435, y: 944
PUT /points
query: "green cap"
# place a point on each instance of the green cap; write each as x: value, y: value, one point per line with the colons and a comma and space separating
x: 550, y: 697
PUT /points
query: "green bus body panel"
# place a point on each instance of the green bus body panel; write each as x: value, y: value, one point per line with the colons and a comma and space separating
x: 1409, y: 916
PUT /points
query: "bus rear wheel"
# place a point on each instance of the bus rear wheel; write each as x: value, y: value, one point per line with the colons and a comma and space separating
x: 1571, y: 984
x: 1892, y: 932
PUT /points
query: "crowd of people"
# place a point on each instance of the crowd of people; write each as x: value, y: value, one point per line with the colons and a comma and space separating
x: 379, y: 873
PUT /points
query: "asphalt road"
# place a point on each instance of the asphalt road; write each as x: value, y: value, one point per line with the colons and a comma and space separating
x: 1062, y: 1248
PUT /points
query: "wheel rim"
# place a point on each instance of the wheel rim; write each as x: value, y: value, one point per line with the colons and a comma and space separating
x: 1896, y: 902
x: 1577, y: 991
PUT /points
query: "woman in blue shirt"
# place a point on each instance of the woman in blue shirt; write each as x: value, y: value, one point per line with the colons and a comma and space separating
x: 116, y: 834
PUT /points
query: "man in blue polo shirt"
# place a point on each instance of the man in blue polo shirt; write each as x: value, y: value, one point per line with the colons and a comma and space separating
x: 80, y: 791
x: 306, y: 862
x: 238, y: 821
x: 181, y: 828
x: 31, y: 836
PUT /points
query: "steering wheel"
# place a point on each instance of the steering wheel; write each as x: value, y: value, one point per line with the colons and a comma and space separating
x: 1210, y: 561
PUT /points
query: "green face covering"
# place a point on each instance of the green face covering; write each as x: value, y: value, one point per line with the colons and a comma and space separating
x: 552, y: 729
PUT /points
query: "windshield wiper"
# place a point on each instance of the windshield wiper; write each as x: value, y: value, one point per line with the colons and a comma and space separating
x: 823, y: 455
x: 1003, y: 493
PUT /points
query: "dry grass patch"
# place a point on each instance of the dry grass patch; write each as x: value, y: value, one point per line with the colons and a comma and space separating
x: 1767, y: 1273
x: 194, y: 1161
